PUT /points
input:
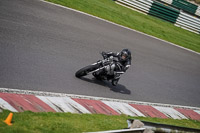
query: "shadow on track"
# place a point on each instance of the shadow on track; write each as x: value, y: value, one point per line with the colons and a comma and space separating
x: 119, y: 88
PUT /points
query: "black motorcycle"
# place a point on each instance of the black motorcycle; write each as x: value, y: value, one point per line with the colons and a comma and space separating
x: 99, y: 69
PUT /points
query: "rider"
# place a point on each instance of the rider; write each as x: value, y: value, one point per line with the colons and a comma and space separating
x: 121, y: 65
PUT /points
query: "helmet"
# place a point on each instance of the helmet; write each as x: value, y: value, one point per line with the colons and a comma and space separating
x: 125, y: 54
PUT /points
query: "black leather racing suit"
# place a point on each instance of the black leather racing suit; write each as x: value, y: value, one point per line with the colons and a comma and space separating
x: 119, y: 65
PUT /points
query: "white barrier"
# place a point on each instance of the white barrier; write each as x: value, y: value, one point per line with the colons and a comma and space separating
x: 184, y: 20
x: 188, y: 22
x: 198, y: 11
x: 142, y: 5
x: 167, y: 1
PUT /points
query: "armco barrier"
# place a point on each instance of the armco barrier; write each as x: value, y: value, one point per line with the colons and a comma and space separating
x: 185, y: 6
x: 165, y: 12
x: 198, y: 11
x: 164, y: 128
x: 142, y: 5
x: 188, y: 22
x: 167, y: 1
x: 136, y: 130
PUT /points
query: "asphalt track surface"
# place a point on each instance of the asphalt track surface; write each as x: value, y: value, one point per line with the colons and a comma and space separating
x: 42, y: 46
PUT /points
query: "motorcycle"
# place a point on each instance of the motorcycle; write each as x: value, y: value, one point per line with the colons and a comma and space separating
x: 100, y: 69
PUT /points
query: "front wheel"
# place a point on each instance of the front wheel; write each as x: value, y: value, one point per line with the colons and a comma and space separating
x: 84, y: 71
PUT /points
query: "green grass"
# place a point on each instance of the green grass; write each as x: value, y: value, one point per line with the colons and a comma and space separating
x: 109, y: 10
x: 29, y: 122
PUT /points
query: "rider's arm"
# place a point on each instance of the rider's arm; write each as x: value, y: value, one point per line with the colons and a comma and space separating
x: 127, y: 65
x: 108, y: 54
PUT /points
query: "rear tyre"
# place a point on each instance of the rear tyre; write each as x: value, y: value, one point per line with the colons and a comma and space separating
x: 84, y: 71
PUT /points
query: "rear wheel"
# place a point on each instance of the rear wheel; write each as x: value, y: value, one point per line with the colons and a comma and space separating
x: 84, y: 71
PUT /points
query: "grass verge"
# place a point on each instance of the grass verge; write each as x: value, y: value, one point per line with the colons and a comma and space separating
x: 75, y: 123
x: 109, y: 10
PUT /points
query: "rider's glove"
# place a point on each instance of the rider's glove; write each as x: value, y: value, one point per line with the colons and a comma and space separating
x: 126, y: 68
x: 104, y: 55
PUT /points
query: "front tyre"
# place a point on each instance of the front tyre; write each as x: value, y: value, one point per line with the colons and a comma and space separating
x: 84, y: 71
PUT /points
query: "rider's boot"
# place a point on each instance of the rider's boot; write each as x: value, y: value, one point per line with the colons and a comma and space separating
x: 114, y: 82
x: 115, y: 79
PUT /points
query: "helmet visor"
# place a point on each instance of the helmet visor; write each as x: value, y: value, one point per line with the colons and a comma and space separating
x: 124, y: 56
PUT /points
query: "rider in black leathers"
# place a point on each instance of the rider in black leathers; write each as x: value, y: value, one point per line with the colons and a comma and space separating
x: 122, y: 63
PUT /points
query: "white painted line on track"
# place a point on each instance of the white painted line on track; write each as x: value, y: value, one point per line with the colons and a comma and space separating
x: 53, y: 94
x: 119, y: 26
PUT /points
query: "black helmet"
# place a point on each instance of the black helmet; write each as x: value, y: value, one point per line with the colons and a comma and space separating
x: 125, y: 54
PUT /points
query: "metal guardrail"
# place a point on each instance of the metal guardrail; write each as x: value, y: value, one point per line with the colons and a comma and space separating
x: 135, y: 130
x: 152, y: 127
x: 164, y: 128
x: 165, y: 12
x: 188, y: 22
x: 142, y: 5
x: 167, y: 1
x: 198, y: 11
x: 185, y: 6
